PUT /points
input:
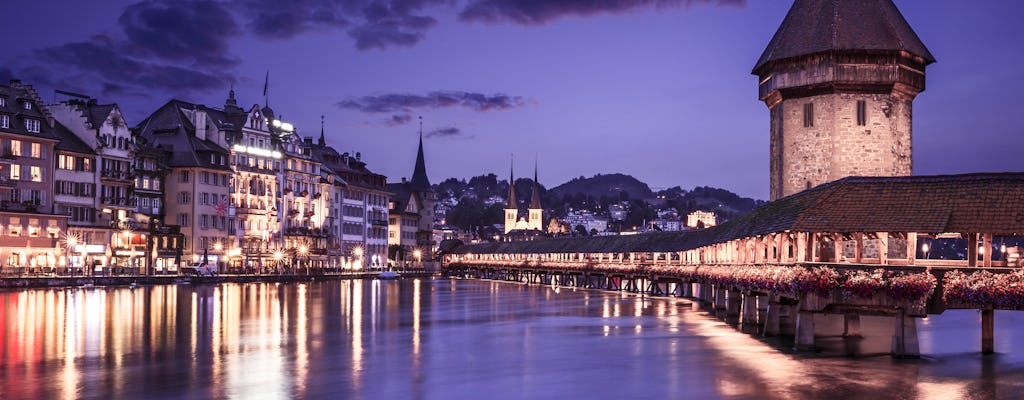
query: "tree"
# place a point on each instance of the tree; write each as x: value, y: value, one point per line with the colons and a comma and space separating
x: 581, y: 230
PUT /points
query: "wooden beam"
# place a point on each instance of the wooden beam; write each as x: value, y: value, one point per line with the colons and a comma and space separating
x: 837, y: 245
x: 972, y: 249
x: 911, y: 248
x: 986, y: 242
x: 858, y: 252
x: 883, y: 247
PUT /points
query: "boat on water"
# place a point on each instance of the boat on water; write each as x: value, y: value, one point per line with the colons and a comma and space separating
x: 388, y: 275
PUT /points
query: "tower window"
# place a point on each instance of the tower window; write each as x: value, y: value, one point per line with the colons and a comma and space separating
x: 862, y: 113
x: 808, y: 115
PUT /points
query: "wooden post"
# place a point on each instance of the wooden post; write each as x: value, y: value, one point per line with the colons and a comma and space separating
x: 749, y: 313
x: 858, y: 252
x: 815, y: 250
x: 801, y: 246
x: 804, y: 330
x: 883, y: 248
x: 911, y: 248
x: 837, y: 245
x: 771, y: 322
x: 988, y: 323
x: 972, y: 249
x: 780, y: 245
x: 986, y: 242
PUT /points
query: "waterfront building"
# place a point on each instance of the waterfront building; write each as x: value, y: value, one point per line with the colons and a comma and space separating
x: 102, y: 128
x: 256, y: 159
x: 304, y: 203
x: 587, y: 219
x: 839, y: 79
x: 31, y: 229
x: 410, y: 215
x: 357, y: 215
x: 74, y: 195
x: 197, y: 188
x: 700, y: 218
x: 164, y: 241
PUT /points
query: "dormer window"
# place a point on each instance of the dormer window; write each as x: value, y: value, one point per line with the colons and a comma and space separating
x: 32, y: 125
x: 27, y: 105
x: 3, y: 102
x: 5, y: 120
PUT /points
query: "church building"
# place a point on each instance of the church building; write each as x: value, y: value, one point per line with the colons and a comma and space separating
x: 517, y: 225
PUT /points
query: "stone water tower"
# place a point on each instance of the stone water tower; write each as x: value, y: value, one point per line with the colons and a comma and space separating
x: 839, y: 79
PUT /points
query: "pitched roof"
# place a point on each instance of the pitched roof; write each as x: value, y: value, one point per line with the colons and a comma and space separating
x: 535, y: 197
x: 97, y: 114
x: 170, y: 129
x: 970, y: 203
x: 815, y: 26
x: 70, y: 142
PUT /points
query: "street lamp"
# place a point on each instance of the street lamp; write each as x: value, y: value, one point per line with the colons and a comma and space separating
x: 419, y: 256
x: 358, y: 251
x: 303, y: 252
x: 278, y: 255
x: 924, y: 249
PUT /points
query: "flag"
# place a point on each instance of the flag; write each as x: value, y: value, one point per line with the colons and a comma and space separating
x: 266, y: 83
x: 222, y: 206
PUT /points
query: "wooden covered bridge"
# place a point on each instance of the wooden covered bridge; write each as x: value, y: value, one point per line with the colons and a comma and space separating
x: 901, y: 247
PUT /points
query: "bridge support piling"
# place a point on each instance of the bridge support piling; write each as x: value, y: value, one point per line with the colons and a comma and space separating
x: 749, y: 313
x: 733, y: 301
x: 904, y: 339
x: 719, y: 298
x: 851, y: 325
x: 771, y: 321
x: 687, y: 289
x: 705, y: 293
x: 762, y: 303
x: 804, y: 331
x: 988, y: 322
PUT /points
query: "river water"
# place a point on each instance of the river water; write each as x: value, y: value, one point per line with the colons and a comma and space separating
x: 452, y: 339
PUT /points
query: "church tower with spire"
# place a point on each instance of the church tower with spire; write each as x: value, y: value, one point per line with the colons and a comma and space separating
x: 839, y: 79
x: 511, y: 208
x: 535, y: 212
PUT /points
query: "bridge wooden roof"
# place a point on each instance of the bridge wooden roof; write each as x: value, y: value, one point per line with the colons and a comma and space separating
x: 970, y: 203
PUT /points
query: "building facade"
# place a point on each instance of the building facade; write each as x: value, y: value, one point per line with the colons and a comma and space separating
x: 411, y: 215
x: 840, y: 93
x: 30, y: 241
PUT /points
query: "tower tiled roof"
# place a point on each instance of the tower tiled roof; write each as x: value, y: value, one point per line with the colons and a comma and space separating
x: 816, y: 26
x: 419, y: 180
x: 511, y: 189
x: 535, y: 198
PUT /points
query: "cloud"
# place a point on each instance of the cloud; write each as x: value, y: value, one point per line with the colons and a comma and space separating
x: 398, y: 119
x: 178, y: 32
x: 537, y: 12
x: 389, y: 103
x: 444, y: 132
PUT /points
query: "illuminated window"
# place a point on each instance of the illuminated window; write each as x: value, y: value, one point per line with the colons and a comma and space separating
x: 37, y: 174
x: 16, y: 147
x: 15, y: 173
x: 37, y: 150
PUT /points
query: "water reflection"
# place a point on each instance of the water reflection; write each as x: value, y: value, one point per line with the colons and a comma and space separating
x: 450, y: 339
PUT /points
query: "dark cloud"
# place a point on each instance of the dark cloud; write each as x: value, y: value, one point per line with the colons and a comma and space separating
x: 268, y: 19
x: 389, y: 103
x: 196, y: 31
x: 444, y: 132
x: 536, y: 12
x: 399, y: 119
x: 99, y: 61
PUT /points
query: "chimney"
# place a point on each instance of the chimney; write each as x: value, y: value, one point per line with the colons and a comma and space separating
x: 358, y: 156
x: 403, y: 179
x: 307, y: 140
x: 15, y: 82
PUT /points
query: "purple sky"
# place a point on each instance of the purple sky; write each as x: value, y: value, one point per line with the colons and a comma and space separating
x: 658, y: 89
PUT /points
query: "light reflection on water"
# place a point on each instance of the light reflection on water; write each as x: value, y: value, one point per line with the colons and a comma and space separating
x: 455, y: 339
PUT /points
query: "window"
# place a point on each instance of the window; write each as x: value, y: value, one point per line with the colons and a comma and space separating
x: 183, y: 219
x: 66, y: 162
x: 862, y: 113
x: 144, y: 202
x: 184, y: 197
x: 37, y: 150
x: 156, y: 203
x: 16, y: 147
x: 145, y: 183
x: 204, y: 198
x: 15, y: 173
x: 37, y: 174
x: 156, y: 183
x: 203, y: 221
x: 808, y: 115
x: 5, y: 121
x: 183, y: 177
x: 213, y: 158
x: 27, y: 105
x: 205, y: 177
x: 3, y: 102
x: 32, y: 125
x: 86, y: 165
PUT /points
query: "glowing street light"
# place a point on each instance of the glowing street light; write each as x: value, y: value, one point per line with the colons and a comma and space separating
x: 358, y: 251
x: 419, y: 256
x: 303, y: 251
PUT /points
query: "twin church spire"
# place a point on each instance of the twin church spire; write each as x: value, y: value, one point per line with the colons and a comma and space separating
x: 534, y: 219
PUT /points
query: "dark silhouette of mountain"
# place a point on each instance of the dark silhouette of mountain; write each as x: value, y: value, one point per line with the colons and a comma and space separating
x: 610, y: 185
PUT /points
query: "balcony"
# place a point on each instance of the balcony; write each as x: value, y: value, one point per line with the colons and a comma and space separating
x: 117, y: 175
x: 24, y: 206
x: 379, y: 222
x: 8, y: 183
x: 118, y: 201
